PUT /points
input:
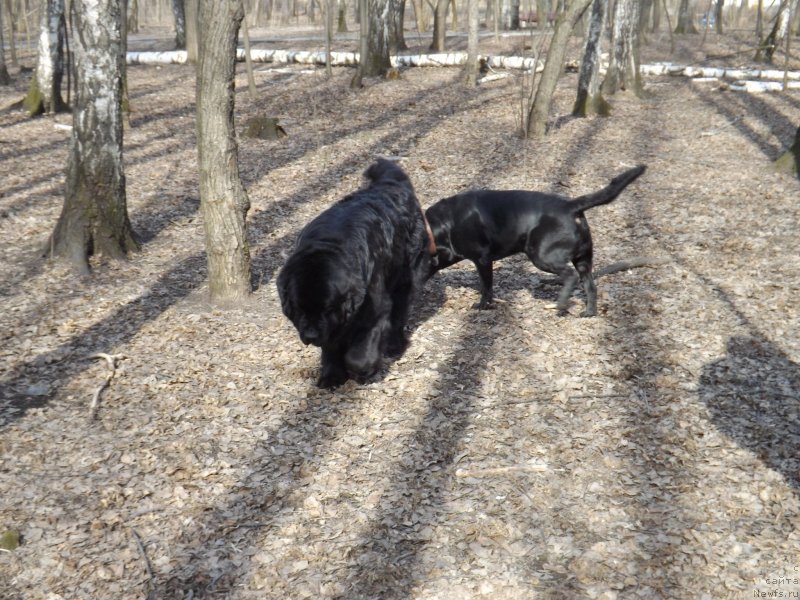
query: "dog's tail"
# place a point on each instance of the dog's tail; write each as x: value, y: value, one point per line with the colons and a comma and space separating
x: 383, y: 170
x: 608, y: 193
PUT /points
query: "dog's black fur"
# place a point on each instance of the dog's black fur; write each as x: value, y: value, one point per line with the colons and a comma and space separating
x: 487, y: 225
x: 354, y: 272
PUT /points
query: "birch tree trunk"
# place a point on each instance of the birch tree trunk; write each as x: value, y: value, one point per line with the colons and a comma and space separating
x: 94, y: 217
x: 374, y: 60
x: 5, y: 78
x: 223, y: 200
x: 179, y: 13
x: 623, y: 69
x: 472, y: 43
x: 589, y: 100
x: 767, y: 47
x: 44, y: 94
x: 685, y: 22
x: 553, y: 67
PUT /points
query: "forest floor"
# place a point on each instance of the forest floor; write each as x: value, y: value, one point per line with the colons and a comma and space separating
x: 650, y: 452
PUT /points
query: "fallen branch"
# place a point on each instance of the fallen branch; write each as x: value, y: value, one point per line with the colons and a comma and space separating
x: 526, y: 468
x: 633, y: 263
x: 111, y: 362
x: 147, y: 564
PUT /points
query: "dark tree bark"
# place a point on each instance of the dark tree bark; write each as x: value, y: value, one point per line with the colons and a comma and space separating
x: 94, y: 218
x: 514, y: 15
x: 718, y: 15
x: 342, y: 20
x: 623, y: 69
x: 397, y: 16
x: 179, y: 13
x: 590, y: 100
x: 553, y: 67
x: 789, y: 162
x: 5, y: 78
x: 223, y: 200
x: 440, y: 25
x: 44, y: 94
x: 644, y: 20
x: 685, y: 22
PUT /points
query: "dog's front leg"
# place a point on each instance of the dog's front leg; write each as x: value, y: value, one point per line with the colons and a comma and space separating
x: 484, y: 266
x: 333, y: 372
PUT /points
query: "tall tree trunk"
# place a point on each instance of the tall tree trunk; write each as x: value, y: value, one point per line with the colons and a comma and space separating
x: 514, y: 16
x: 342, y: 20
x: 133, y: 17
x: 94, y: 218
x: 440, y: 25
x: 623, y: 69
x: 553, y: 67
x: 685, y: 21
x: 11, y: 16
x: 374, y: 59
x: 44, y: 94
x: 760, y: 21
x: 397, y: 16
x: 644, y: 20
x: 718, y: 15
x: 657, y: 17
x: 179, y: 14
x: 223, y: 200
x: 192, y: 42
x: 767, y: 47
x: 5, y: 78
x: 590, y: 100
x: 542, y: 14
x: 471, y: 70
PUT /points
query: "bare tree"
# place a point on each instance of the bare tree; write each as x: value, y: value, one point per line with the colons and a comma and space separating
x: 179, y: 14
x: 44, y: 94
x: 223, y: 200
x: 779, y: 31
x: 472, y: 43
x: 685, y: 22
x: 623, y: 69
x: 5, y: 78
x: 439, y: 25
x: 718, y: 6
x: 341, y: 26
x: 553, y: 66
x: 374, y: 57
x: 94, y: 218
x: 397, y: 16
x: 590, y: 99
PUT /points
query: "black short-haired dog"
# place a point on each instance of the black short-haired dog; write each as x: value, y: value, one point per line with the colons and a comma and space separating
x: 355, y: 270
x: 487, y: 225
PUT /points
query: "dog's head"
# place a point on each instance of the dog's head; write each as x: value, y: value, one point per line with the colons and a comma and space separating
x: 317, y: 296
x: 440, y: 226
x: 386, y: 171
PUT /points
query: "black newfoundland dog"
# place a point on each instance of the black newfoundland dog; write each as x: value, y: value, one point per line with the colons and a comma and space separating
x: 487, y: 225
x: 354, y: 272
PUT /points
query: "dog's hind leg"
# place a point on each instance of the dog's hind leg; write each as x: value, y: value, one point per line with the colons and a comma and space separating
x: 484, y: 267
x: 570, y: 278
x: 589, y: 288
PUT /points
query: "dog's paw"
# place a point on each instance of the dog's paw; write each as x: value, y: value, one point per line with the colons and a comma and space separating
x: 331, y: 379
x: 484, y: 305
x: 396, y: 347
x: 588, y: 313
